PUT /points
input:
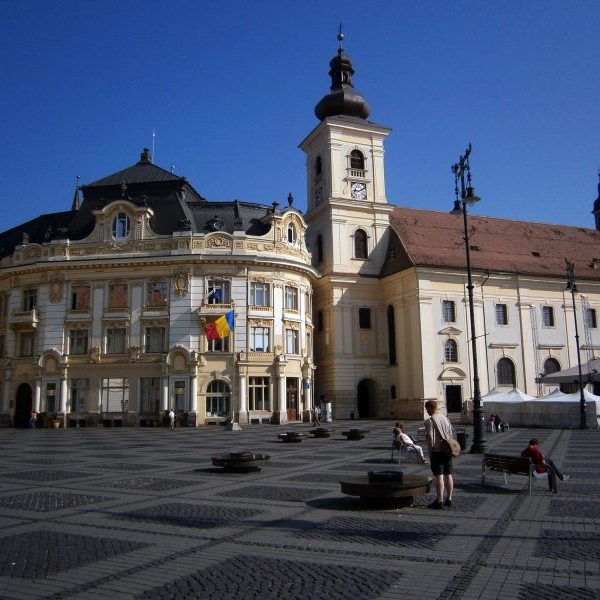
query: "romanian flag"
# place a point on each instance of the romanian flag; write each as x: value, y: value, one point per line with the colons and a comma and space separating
x: 220, y: 328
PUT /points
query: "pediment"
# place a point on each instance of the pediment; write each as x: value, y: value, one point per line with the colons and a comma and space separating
x: 452, y: 374
x: 449, y: 331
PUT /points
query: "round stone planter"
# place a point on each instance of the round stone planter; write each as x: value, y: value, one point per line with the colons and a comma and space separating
x: 241, y: 462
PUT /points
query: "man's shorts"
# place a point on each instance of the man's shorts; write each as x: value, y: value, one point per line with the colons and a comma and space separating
x: 441, y: 463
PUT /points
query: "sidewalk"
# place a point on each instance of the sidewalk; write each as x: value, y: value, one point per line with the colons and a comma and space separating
x: 141, y: 513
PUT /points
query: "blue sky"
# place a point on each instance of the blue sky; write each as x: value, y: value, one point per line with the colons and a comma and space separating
x: 229, y: 88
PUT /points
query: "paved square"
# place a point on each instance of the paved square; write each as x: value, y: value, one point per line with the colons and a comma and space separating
x: 142, y: 513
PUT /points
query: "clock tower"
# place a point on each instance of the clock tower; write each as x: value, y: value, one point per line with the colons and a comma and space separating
x: 348, y: 230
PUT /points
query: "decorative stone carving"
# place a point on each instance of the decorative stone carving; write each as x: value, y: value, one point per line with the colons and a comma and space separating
x: 218, y: 241
x: 56, y: 287
x: 95, y: 353
x: 181, y: 284
x: 134, y: 353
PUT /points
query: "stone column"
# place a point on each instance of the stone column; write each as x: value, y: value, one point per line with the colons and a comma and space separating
x: 37, y: 389
x: 165, y: 394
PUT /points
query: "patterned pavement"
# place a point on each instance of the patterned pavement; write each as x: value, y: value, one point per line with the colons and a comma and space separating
x: 142, y: 513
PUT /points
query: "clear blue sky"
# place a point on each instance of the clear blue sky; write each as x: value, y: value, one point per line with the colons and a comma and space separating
x: 230, y: 88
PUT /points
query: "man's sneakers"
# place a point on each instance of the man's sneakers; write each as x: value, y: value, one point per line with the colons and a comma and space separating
x: 436, y: 505
x: 448, y: 503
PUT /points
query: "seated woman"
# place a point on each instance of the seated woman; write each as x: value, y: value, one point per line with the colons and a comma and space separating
x: 403, y: 439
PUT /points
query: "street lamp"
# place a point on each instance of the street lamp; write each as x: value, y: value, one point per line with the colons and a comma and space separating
x: 465, y: 196
x: 571, y: 285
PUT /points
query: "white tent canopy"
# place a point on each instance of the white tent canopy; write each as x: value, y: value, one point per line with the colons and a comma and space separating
x: 555, y: 410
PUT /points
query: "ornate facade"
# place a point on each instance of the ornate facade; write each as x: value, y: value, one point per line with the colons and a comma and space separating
x: 104, y: 308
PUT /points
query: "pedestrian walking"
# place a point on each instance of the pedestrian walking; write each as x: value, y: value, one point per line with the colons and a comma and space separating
x: 316, y: 415
x: 171, y: 419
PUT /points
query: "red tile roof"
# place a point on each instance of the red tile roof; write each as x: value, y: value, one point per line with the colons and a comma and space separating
x: 432, y: 238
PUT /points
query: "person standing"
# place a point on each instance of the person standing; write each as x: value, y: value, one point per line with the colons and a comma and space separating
x: 438, y: 428
x: 543, y: 464
x: 171, y: 419
x: 316, y: 415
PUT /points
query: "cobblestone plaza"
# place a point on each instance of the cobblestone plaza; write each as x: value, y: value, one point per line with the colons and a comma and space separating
x: 142, y: 513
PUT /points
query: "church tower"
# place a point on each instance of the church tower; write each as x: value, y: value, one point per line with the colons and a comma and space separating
x: 348, y: 229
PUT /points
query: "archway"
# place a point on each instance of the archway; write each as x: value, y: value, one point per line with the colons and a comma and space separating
x: 365, y: 394
x: 23, y: 405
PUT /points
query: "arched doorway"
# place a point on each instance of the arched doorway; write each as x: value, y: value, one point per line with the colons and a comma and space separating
x: 23, y: 405
x: 365, y: 395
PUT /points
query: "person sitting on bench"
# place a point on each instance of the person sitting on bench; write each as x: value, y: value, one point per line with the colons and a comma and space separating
x: 403, y: 439
x: 543, y: 464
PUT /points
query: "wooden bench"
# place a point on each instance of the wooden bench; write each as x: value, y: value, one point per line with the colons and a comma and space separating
x: 510, y: 465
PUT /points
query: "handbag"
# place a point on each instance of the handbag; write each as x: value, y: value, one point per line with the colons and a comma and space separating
x: 450, y: 446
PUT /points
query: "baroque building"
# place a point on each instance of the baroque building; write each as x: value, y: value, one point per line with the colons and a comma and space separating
x: 105, y: 308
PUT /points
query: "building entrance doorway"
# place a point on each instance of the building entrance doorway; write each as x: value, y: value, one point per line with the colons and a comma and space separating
x: 23, y: 405
x: 454, y: 398
x: 365, y: 395
x: 291, y: 395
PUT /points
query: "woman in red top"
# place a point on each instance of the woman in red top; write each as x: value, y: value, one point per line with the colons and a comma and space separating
x: 543, y: 464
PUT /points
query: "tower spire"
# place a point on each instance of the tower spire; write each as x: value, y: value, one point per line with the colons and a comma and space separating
x: 343, y: 99
x: 76, y: 204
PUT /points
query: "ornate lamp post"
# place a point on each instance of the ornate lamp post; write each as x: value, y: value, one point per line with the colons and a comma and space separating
x: 465, y: 196
x: 571, y: 285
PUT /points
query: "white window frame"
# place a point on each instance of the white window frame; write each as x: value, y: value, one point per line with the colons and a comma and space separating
x: 260, y: 293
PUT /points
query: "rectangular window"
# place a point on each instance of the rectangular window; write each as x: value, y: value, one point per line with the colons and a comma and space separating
x: 590, y: 318
x: 157, y: 294
x: 260, y: 294
x: 221, y: 345
x: 118, y: 296
x: 79, y: 394
x: 548, y: 316
x: 114, y: 395
x: 259, y: 339
x: 2, y: 346
x: 291, y: 297
x: 501, y: 314
x: 150, y: 392
x: 78, y: 341
x: 320, y: 320
x: 51, y: 401
x: 26, y: 343
x: 180, y: 395
x: 80, y: 297
x: 449, y: 311
x: 393, y: 392
x: 292, y: 341
x: 116, y: 340
x: 219, y: 291
x: 364, y: 318
x: 29, y: 299
x: 154, y: 340
x: 258, y: 393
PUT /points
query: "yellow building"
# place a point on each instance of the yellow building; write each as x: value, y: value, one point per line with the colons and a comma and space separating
x: 105, y: 308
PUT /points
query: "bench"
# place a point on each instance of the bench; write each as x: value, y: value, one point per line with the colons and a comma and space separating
x: 510, y: 465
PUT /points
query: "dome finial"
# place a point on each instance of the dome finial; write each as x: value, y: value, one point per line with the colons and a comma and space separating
x: 340, y: 37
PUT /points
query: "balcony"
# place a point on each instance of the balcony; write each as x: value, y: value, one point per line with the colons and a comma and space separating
x: 214, y: 309
x: 25, y: 319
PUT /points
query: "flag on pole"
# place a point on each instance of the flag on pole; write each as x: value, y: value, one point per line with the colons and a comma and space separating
x: 221, y: 327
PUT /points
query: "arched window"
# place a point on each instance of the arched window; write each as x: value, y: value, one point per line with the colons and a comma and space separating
x: 318, y: 166
x: 319, y: 248
x: 357, y: 160
x: 391, y: 323
x: 551, y: 365
x: 121, y: 226
x: 218, y: 397
x: 291, y: 234
x: 360, y: 244
x: 506, y: 372
x: 451, y: 351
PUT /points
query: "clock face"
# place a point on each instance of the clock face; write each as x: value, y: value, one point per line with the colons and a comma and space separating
x: 359, y: 191
x: 318, y: 196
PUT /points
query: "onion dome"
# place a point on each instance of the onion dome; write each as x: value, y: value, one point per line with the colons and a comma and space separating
x: 342, y: 99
